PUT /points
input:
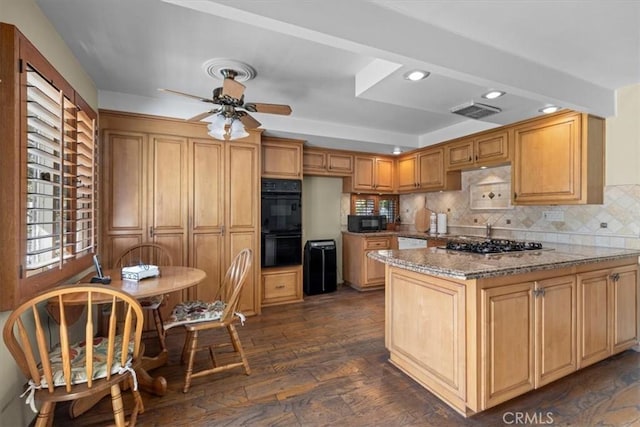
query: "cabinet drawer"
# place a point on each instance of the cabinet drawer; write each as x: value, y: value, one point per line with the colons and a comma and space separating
x: 281, y: 285
x: 378, y: 243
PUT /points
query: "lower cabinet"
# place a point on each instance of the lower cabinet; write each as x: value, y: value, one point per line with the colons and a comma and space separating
x: 360, y: 271
x: 607, y: 315
x: 529, y: 333
x: 281, y: 285
x: 500, y: 337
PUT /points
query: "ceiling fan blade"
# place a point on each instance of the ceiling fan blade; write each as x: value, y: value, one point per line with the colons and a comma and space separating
x: 201, y: 116
x: 232, y: 88
x: 249, y: 122
x: 187, y: 95
x: 256, y: 107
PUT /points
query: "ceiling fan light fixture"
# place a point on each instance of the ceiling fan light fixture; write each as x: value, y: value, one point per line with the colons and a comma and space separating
x: 493, y: 94
x: 549, y: 109
x: 237, y: 130
x: 416, y: 75
x: 217, y: 128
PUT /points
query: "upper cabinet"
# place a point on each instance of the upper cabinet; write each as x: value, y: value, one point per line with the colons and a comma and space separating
x: 48, y: 174
x: 282, y: 158
x: 559, y: 160
x: 327, y: 162
x: 484, y: 149
x: 424, y: 171
x: 371, y: 173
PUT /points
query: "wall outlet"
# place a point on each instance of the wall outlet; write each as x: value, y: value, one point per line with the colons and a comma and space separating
x: 553, y: 216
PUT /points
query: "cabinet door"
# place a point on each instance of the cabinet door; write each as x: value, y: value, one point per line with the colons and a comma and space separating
x: 431, y: 169
x: 282, y: 160
x: 314, y: 161
x: 548, y: 161
x: 459, y: 154
x: 555, y: 329
x: 206, y: 215
x: 508, y: 342
x: 593, y: 317
x: 168, y: 196
x: 125, y: 190
x: 383, y: 175
x: 364, y: 173
x: 339, y: 164
x: 492, y: 148
x: 624, y: 285
x: 406, y: 173
x: 242, y: 220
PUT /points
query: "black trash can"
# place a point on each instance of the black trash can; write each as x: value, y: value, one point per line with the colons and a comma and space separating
x: 319, y: 270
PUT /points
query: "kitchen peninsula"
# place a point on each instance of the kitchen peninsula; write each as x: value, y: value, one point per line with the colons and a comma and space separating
x: 477, y: 330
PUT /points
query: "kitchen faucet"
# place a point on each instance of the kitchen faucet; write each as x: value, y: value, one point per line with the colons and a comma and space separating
x: 488, y: 230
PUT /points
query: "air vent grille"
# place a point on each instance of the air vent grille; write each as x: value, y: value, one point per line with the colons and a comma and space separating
x: 474, y: 110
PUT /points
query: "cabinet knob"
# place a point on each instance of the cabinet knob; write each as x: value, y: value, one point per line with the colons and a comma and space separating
x: 280, y: 287
x: 470, y: 158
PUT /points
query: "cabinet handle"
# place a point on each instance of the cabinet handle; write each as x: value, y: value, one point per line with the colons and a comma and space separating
x: 615, y: 277
x: 151, y: 231
x: 222, y: 230
x: 280, y: 287
x: 515, y: 195
x: 476, y: 157
x: 470, y: 158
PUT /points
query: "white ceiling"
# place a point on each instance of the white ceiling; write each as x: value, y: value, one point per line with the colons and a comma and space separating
x: 340, y: 64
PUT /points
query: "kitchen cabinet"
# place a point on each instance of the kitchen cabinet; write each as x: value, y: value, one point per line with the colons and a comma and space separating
x: 559, y: 160
x: 281, y: 285
x: 281, y: 158
x: 529, y: 332
x: 608, y: 313
x: 371, y: 173
x: 48, y: 173
x: 483, y: 149
x: 166, y: 181
x: 326, y: 162
x: 424, y: 171
x: 501, y: 336
x: 360, y: 271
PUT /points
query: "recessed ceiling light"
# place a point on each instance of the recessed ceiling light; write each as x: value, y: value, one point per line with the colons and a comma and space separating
x: 549, y: 109
x: 416, y: 75
x: 396, y: 150
x: 493, y: 94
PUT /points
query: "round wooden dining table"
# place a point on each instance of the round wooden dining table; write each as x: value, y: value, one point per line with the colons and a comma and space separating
x: 171, y: 279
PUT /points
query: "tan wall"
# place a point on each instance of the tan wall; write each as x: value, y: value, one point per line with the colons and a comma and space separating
x: 623, y: 139
x: 321, y: 198
x: 27, y: 16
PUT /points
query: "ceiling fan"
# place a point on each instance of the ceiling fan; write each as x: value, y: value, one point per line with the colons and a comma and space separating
x: 231, y: 105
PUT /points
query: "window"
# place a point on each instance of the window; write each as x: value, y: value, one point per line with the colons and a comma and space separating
x: 375, y: 204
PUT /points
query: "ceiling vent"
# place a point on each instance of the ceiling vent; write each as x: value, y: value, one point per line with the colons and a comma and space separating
x: 474, y: 110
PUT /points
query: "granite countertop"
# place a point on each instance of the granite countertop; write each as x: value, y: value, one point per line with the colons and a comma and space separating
x: 463, y: 265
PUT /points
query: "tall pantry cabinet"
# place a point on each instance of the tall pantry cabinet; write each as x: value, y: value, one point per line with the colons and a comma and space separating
x: 167, y: 181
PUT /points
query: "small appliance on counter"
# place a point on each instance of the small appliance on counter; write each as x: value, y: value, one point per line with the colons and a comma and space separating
x: 366, y: 223
x: 442, y: 223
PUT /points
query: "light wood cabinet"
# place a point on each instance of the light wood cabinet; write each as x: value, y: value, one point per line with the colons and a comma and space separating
x: 281, y: 158
x: 166, y: 181
x: 425, y: 171
x: 559, y: 160
x: 48, y: 174
x: 326, y: 162
x: 360, y: 271
x: 281, y: 285
x: 608, y: 313
x: 483, y: 149
x: 372, y: 174
x: 529, y: 335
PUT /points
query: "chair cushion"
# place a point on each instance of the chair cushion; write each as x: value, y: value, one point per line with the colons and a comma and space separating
x: 194, y: 311
x: 77, y: 353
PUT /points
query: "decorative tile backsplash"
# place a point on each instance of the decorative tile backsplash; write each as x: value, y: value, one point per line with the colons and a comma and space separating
x: 582, y: 224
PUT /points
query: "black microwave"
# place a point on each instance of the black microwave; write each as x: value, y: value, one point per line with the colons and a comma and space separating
x: 366, y: 223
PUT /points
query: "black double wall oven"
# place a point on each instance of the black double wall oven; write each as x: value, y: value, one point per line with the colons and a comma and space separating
x: 281, y: 222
